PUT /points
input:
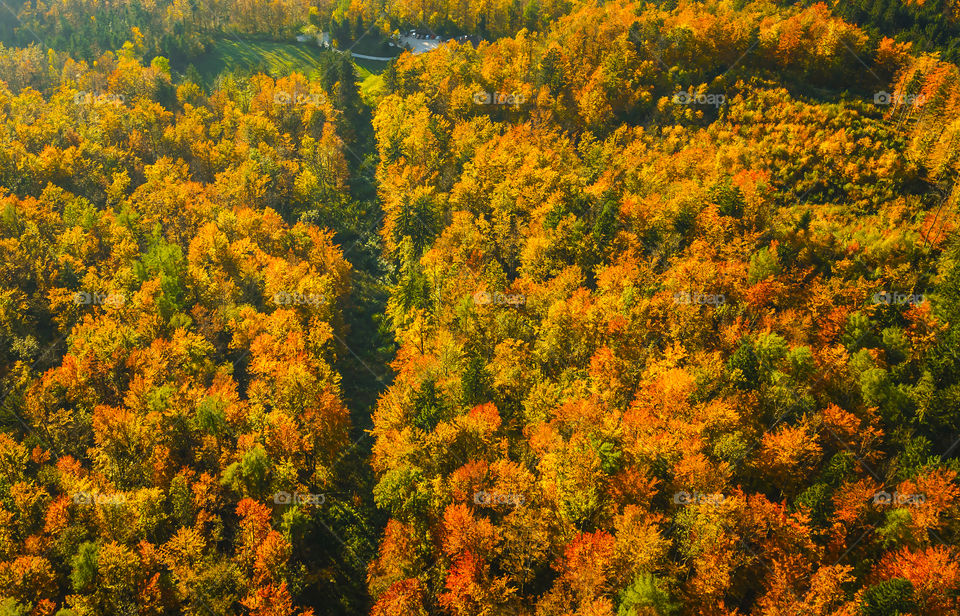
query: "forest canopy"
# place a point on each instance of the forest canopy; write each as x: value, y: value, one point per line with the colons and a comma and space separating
x: 611, y: 309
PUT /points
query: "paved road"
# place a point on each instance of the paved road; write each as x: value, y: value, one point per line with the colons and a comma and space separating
x: 364, y: 57
x: 416, y: 46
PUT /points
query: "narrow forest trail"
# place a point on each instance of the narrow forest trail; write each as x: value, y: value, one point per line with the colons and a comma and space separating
x: 363, y: 358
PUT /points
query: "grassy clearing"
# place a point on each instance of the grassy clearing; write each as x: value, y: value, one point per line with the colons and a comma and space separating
x: 273, y: 58
x: 372, y: 45
x: 372, y: 89
x: 370, y: 66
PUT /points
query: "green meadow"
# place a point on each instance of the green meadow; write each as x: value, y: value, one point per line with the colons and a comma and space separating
x: 270, y: 57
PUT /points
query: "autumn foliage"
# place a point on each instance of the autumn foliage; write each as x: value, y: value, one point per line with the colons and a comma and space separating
x: 669, y: 295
